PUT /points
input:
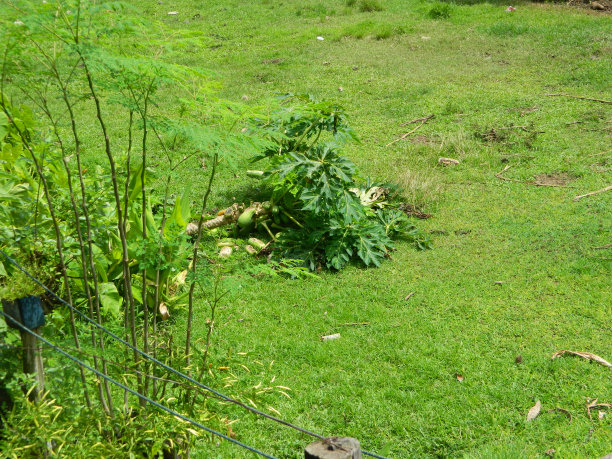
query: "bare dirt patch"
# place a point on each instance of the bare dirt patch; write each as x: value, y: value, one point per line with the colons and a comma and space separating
x: 595, y: 5
x: 423, y: 140
x: 273, y: 61
x: 560, y: 179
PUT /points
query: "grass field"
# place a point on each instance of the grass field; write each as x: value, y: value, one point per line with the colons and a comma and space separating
x: 442, y: 352
x: 513, y: 271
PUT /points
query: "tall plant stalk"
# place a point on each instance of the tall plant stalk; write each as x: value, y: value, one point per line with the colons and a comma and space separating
x: 52, y: 213
x: 145, y: 307
x: 125, y: 261
x: 58, y: 235
x: 194, y: 262
x: 86, y: 254
x: 106, y: 402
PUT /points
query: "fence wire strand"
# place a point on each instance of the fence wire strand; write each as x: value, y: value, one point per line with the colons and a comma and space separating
x: 163, y: 365
x: 132, y: 391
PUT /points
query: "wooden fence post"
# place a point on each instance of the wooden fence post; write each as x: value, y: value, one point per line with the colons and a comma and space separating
x: 28, y: 311
x: 334, y: 448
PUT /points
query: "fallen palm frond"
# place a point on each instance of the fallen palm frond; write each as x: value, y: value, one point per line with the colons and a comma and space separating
x: 584, y: 355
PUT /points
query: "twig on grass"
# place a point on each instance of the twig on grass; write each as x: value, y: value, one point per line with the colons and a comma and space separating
x: 601, y: 247
x: 501, y: 177
x: 347, y: 324
x: 417, y: 120
x: 600, y: 153
x: 403, y: 136
x: 592, y: 404
x: 579, y: 97
x: 608, y: 188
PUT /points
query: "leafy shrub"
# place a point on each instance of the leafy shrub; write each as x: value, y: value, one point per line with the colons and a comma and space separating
x: 336, y: 217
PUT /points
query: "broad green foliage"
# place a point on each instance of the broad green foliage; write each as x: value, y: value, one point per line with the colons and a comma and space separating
x: 25, y: 227
x: 313, y: 181
x: 94, y: 216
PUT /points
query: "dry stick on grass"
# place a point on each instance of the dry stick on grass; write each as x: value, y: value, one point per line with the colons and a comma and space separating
x: 601, y: 153
x: 594, y: 405
x: 579, y: 97
x: 526, y: 182
x: 417, y: 120
x: 601, y: 247
x: 608, y: 188
x: 403, y: 136
x: 354, y: 323
x: 501, y: 177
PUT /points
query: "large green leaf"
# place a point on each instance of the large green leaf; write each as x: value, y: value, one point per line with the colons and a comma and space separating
x: 181, y: 213
x: 4, y: 126
x: 110, y: 299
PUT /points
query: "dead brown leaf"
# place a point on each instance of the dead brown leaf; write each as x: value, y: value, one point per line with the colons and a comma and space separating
x: 163, y: 311
x: 459, y: 377
x: 534, y: 411
x: 584, y: 355
x: 447, y: 162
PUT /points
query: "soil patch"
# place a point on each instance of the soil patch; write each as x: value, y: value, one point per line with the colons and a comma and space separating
x: 273, y: 61
x: 412, y: 211
x: 561, y: 179
x: 595, y: 5
x: 423, y: 140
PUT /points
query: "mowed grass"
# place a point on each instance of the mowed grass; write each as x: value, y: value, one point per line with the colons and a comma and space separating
x: 513, y: 271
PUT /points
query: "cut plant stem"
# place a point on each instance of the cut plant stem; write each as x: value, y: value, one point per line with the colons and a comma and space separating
x: 265, y: 225
x: 290, y: 217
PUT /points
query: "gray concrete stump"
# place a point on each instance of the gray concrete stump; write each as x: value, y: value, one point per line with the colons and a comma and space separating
x: 334, y: 448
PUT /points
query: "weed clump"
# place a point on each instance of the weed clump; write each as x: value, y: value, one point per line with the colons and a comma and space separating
x: 373, y: 29
x: 439, y: 11
x: 419, y: 189
x: 365, y: 6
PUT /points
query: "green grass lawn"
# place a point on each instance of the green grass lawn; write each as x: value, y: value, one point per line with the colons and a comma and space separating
x: 513, y: 271
x: 514, y: 274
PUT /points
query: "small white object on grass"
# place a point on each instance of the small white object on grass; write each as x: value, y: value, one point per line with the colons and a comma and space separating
x: 330, y: 337
x: 172, y: 13
x: 320, y: 38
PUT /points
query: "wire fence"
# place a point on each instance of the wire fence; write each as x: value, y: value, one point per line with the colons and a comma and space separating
x: 132, y: 391
x: 161, y: 364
